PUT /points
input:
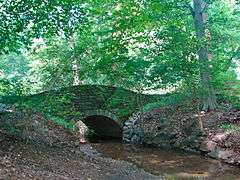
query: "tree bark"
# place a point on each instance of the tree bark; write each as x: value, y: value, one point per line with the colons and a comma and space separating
x: 208, y: 93
x: 75, y: 66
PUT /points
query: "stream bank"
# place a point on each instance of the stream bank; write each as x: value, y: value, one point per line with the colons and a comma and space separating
x: 21, y: 160
x: 38, y: 148
x: 214, y: 134
x: 105, y: 161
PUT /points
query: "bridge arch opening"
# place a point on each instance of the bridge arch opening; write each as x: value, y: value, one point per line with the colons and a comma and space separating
x: 100, y: 127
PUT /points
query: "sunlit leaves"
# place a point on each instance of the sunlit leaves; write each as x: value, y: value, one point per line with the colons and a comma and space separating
x: 23, y: 20
x: 13, y: 72
x: 130, y: 43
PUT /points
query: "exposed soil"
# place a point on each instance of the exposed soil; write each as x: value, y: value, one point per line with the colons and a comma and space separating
x: 58, y: 155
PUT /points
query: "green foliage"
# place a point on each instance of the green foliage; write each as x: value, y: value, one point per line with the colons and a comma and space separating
x: 228, y: 88
x: 154, y: 105
x: 56, y: 105
x: 13, y: 72
x: 138, y: 45
x: 226, y: 126
x: 171, y: 100
x: 229, y: 127
x: 53, y: 107
x: 62, y: 122
x: 11, y: 129
x: 23, y: 20
x: 122, y: 102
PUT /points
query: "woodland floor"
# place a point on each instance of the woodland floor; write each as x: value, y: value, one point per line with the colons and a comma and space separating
x: 21, y: 160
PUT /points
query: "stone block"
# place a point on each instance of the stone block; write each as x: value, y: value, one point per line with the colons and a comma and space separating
x: 208, y: 146
x: 221, y: 154
x: 225, y: 154
x: 220, y: 137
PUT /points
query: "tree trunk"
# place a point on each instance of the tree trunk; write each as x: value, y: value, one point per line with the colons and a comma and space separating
x: 208, y: 94
x: 75, y: 66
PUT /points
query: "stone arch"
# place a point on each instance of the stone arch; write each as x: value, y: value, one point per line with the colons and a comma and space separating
x: 103, y: 123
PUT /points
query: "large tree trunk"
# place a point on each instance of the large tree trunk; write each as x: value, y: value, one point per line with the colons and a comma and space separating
x: 208, y: 94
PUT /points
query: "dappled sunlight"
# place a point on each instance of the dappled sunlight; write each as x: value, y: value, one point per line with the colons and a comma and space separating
x: 172, y: 164
x: 127, y: 89
x: 194, y: 176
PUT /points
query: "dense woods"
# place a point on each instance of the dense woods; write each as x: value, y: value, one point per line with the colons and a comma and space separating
x: 164, y: 73
x: 191, y: 47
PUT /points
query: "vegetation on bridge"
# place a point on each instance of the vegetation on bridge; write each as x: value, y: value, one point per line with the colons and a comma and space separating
x: 66, y: 106
x: 66, y: 58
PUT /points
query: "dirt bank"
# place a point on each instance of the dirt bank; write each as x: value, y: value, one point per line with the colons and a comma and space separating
x: 21, y: 160
x: 222, y: 136
x: 32, y: 147
x: 214, y: 134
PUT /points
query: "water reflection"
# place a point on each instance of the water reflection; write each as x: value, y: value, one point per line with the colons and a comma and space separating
x: 170, y: 164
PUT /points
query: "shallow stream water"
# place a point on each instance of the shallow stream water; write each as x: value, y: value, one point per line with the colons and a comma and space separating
x: 169, y: 164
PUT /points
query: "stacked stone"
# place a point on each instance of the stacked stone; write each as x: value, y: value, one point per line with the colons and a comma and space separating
x: 223, y: 146
x: 132, y: 133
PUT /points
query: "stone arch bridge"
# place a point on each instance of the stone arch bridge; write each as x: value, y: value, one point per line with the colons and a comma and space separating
x: 102, y: 108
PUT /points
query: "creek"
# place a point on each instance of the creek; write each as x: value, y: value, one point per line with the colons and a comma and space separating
x: 167, y: 163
